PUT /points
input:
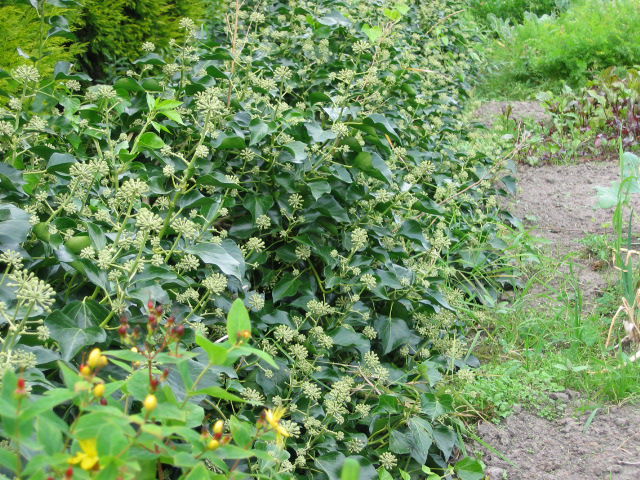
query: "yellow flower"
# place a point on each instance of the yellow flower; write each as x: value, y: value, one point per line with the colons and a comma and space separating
x: 273, y: 418
x: 88, y: 456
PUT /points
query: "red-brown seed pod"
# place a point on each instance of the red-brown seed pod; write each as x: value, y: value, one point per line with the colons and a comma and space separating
x: 124, y: 320
x: 123, y: 330
x: 226, y: 439
x: 179, y: 330
x: 165, y: 374
x: 154, y: 383
x: 159, y: 309
x: 171, y: 320
x: 103, y: 401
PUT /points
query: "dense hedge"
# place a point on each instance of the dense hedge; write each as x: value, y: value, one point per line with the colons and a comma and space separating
x: 311, y: 161
x: 21, y: 28
x: 116, y: 29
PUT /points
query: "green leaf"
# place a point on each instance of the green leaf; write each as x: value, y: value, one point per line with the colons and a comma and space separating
x: 257, y: 131
x: 245, y: 350
x: 374, y: 165
x: 77, y: 326
x: 200, y: 472
x: 420, y: 439
x: 435, y: 406
x: 384, y: 475
x: 394, y: 333
x: 237, y: 320
x: 232, y: 142
x: 350, y: 469
x: 445, y: 440
x: 60, y: 162
x: 150, y: 140
x: 469, y: 469
x: 242, y: 432
x: 298, y: 150
x: 173, y: 115
x: 319, y: 188
x: 217, y: 353
x: 226, y: 256
x: 14, y: 226
x: 218, y: 392
x: 286, y: 287
x: 374, y: 33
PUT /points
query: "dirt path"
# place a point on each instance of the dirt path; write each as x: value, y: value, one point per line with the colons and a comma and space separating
x: 557, y: 203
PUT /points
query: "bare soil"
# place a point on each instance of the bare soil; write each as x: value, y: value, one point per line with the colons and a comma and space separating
x: 489, y: 112
x: 557, y: 203
x: 566, y: 449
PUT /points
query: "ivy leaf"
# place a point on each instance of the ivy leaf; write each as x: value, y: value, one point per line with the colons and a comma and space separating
x: 445, y: 439
x: 420, y: 439
x: 14, y: 226
x: 60, y: 162
x: 319, y: 188
x: 226, y: 256
x: 72, y: 333
x: 257, y: 131
x: 286, y: 287
x: 394, y: 332
x: 374, y: 33
x: 298, y: 149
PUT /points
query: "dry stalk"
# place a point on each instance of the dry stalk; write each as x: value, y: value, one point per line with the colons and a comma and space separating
x: 627, y: 313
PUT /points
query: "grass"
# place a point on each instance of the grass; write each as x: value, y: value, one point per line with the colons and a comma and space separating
x: 545, y: 340
x: 545, y: 53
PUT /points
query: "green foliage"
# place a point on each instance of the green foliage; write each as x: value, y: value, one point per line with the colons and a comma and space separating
x: 116, y: 29
x: 589, y: 122
x: 40, y: 33
x: 568, y: 48
x: 313, y: 168
x: 512, y: 10
x: 125, y: 402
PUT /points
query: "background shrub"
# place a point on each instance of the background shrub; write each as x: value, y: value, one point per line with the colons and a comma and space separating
x: 114, y: 30
x: 21, y: 28
x: 568, y: 48
x: 513, y: 10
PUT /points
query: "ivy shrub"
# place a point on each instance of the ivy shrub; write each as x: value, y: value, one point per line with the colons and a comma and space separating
x: 311, y: 161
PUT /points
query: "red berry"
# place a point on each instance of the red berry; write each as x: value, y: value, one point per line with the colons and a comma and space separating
x: 179, y: 330
x: 69, y: 472
x: 159, y: 309
x: 103, y: 401
x: 171, y: 320
x: 123, y: 330
x: 154, y: 383
x: 21, y: 383
x: 151, y: 304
